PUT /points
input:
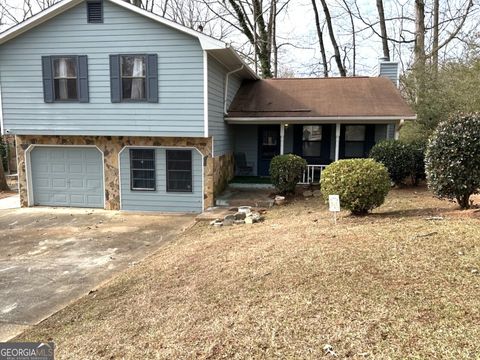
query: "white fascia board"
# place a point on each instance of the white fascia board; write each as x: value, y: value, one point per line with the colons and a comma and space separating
x: 207, y: 42
x: 330, y: 119
x: 205, y: 93
x: 242, y: 62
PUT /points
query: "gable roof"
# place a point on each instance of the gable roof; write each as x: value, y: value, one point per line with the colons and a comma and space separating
x: 230, y: 57
x: 344, y: 98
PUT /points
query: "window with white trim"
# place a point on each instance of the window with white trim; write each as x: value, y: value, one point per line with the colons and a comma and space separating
x: 179, y: 170
x: 142, y: 170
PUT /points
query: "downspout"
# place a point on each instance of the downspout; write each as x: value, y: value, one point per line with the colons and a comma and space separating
x: 226, y: 88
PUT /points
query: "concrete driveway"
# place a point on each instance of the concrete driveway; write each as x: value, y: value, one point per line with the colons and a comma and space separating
x: 50, y: 257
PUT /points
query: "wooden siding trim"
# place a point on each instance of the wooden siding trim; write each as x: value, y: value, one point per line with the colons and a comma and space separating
x: 205, y: 97
x: 2, y: 127
x: 160, y: 147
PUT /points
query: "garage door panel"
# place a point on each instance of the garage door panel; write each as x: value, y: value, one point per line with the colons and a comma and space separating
x: 75, y: 169
x: 67, y: 176
x: 92, y: 168
x: 77, y: 199
x: 60, y: 183
x: 58, y: 168
x: 58, y: 199
x: 76, y: 184
x: 43, y: 183
x: 93, y: 184
x: 94, y: 199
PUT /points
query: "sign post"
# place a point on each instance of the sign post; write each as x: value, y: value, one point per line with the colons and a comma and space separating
x: 334, y: 206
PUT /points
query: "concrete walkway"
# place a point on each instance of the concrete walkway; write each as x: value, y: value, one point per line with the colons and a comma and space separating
x: 53, y: 256
x: 11, y: 202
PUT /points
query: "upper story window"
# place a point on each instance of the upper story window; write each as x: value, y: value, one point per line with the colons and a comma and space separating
x: 94, y: 12
x: 133, y: 77
x: 65, y: 78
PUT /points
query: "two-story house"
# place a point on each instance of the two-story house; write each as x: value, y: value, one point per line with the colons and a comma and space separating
x: 115, y: 107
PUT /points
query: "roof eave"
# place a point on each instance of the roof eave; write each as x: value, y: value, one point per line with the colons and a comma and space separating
x: 313, y: 119
x: 37, y: 19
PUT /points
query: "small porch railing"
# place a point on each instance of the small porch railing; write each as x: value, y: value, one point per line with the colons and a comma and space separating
x: 312, y: 174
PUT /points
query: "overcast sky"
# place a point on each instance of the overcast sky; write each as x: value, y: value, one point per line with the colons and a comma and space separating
x: 296, y: 27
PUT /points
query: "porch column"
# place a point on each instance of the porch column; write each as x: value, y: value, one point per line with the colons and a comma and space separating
x: 282, y: 138
x: 337, y: 141
x: 397, y: 131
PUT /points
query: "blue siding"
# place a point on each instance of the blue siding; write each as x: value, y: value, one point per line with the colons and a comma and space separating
x: 180, y: 71
x: 221, y: 132
x: 161, y: 200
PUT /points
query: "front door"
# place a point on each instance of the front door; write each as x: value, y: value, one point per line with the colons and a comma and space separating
x: 268, y: 147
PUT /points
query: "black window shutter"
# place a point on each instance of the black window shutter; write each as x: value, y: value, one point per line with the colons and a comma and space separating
x: 83, y: 78
x: 152, y: 78
x: 115, y: 80
x: 47, y: 79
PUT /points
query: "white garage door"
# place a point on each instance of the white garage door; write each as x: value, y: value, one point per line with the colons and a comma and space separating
x: 67, y: 176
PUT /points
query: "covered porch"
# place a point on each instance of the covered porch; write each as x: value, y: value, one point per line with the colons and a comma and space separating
x: 318, y: 143
x: 320, y: 119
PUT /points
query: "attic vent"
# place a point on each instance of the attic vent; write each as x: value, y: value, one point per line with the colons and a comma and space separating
x: 94, y: 12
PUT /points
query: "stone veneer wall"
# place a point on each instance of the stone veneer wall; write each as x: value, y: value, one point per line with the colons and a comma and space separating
x: 224, y: 171
x: 111, y: 146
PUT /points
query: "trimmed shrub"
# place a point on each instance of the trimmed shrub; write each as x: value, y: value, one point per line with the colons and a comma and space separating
x: 362, y: 184
x: 398, y: 158
x: 286, y: 171
x: 452, y: 159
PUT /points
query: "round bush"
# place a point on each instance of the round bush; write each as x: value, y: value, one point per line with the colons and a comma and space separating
x: 452, y: 159
x: 398, y: 158
x: 362, y: 184
x: 286, y: 171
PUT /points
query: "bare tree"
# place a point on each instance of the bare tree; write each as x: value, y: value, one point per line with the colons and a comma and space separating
x: 419, y: 49
x: 320, y: 39
x: 333, y: 40
x: 354, y: 38
x: 383, y: 29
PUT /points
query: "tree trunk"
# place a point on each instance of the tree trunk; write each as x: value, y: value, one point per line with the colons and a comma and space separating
x: 135, y: 2
x: 354, y: 38
x: 338, y: 59
x: 464, y: 201
x: 3, y: 181
x: 436, y: 16
x: 320, y: 39
x: 383, y: 30
x: 419, y: 50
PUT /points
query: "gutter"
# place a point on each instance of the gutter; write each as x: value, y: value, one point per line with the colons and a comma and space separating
x: 225, y: 96
x: 343, y: 119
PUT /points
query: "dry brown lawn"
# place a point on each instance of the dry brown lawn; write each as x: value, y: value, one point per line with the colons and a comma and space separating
x: 402, y: 283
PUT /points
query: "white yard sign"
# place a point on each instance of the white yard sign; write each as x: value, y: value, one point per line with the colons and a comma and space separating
x: 334, y: 205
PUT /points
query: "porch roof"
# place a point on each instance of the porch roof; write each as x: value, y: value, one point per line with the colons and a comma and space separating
x: 355, y: 99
